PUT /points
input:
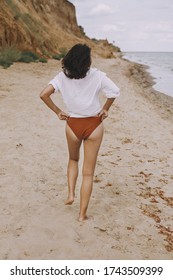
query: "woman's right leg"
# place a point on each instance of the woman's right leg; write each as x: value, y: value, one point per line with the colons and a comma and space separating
x: 91, y: 148
x: 72, y: 169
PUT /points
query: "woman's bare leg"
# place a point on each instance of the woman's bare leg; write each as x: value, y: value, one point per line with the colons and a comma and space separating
x: 91, y: 148
x: 72, y: 169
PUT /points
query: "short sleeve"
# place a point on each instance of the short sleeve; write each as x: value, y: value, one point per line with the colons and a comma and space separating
x: 109, y: 87
x: 56, y: 81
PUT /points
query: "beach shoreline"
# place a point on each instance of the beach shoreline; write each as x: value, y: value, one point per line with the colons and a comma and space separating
x: 143, y: 78
x: 158, y: 65
x: 131, y: 202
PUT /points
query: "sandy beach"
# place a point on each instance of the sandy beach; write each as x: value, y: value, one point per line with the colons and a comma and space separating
x: 132, y: 200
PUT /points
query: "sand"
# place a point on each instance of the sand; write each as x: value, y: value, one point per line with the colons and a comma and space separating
x: 132, y: 202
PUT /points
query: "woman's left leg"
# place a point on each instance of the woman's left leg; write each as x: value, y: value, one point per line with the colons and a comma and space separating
x: 72, y: 169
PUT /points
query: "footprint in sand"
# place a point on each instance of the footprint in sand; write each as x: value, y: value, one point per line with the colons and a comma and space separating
x: 114, y: 163
x: 2, y: 171
x: 130, y: 228
x: 127, y: 140
x: 109, y: 184
x: 164, y: 181
x: 97, y: 180
x: 145, y: 175
x: 102, y: 229
x: 19, y: 146
x: 135, y: 155
x: 43, y: 181
x: 141, y: 183
x: 26, y: 254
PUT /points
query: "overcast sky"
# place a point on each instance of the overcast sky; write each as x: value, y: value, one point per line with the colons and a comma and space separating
x: 133, y: 25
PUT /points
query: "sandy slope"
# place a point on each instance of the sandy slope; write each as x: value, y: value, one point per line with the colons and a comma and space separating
x: 132, y: 199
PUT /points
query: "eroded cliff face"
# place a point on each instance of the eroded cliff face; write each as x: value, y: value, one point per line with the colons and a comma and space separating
x: 43, y: 26
x: 38, y: 25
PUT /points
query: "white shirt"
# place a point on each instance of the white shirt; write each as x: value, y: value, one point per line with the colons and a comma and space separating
x: 81, y: 96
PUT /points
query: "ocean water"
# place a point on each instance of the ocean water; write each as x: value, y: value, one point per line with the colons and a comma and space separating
x: 160, y: 67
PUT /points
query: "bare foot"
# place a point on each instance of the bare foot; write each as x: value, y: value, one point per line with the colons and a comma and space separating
x: 82, y: 218
x: 69, y: 200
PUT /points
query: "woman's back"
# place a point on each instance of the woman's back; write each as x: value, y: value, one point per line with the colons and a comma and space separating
x: 81, y: 96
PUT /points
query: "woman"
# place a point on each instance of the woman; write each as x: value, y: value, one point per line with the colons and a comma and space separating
x: 80, y: 85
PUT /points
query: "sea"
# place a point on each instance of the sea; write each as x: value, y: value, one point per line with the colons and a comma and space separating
x: 160, y: 67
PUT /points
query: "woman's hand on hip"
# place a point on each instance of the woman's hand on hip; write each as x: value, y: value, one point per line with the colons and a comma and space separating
x: 63, y: 116
x: 103, y: 114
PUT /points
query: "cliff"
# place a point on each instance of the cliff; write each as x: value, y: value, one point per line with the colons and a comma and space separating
x: 44, y: 27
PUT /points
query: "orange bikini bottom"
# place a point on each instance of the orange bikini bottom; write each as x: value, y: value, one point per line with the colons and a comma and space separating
x: 83, y: 127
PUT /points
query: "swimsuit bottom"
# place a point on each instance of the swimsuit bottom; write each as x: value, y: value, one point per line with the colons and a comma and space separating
x: 83, y: 127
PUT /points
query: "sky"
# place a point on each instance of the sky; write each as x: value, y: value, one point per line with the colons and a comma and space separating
x: 132, y: 25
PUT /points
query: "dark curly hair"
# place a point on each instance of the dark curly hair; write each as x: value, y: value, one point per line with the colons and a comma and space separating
x: 77, y: 61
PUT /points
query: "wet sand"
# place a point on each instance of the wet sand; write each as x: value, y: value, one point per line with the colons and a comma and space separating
x: 132, y: 201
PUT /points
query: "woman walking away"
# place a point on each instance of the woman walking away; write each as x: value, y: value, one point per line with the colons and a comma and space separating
x: 80, y: 85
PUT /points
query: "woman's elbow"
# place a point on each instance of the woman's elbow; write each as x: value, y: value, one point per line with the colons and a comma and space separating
x: 46, y: 92
x: 42, y: 94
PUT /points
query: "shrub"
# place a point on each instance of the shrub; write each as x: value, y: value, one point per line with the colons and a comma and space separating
x: 60, y: 55
x: 28, y: 56
x: 9, y: 55
x: 57, y: 56
x: 43, y: 60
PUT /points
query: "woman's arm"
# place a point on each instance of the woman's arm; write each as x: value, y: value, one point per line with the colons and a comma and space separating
x: 45, y: 96
x: 104, y: 112
x: 111, y: 91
